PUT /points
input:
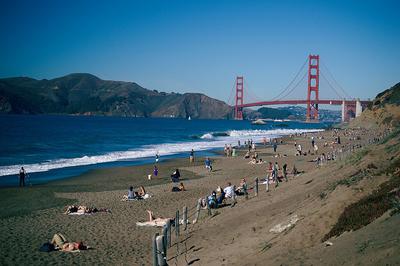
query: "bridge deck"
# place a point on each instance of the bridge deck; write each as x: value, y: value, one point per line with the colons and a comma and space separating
x: 329, y: 102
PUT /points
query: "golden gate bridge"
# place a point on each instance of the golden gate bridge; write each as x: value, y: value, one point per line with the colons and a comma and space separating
x: 350, y: 107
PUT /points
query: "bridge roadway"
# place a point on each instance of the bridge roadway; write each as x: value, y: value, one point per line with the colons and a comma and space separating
x: 291, y: 102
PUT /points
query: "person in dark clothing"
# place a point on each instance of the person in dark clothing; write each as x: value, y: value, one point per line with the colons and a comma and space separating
x: 275, y: 147
x: 175, y: 176
x: 284, y: 172
x: 22, y: 175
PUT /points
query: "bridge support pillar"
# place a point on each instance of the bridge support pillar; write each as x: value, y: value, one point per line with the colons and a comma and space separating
x: 313, y: 88
x: 239, y: 99
x: 358, y: 108
x: 349, y: 110
x: 343, y: 111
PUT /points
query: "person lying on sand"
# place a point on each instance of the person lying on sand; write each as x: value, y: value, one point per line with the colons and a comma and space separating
x: 160, y: 221
x: 73, y: 209
x: 60, y: 243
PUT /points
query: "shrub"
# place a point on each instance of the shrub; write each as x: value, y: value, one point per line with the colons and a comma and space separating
x: 367, y: 209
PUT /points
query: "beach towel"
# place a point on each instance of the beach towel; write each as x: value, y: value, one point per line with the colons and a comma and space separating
x: 158, y: 224
x: 79, y: 213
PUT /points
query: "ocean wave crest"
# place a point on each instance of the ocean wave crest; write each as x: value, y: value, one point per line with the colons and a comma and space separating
x: 209, y: 141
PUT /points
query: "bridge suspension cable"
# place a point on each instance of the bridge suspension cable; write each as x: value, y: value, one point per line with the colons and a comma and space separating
x: 337, y: 83
x: 330, y: 85
x: 231, y: 94
x: 291, y: 82
x: 289, y: 92
x: 253, y: 97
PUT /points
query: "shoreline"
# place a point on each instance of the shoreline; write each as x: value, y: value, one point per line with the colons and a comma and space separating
x: 63, y: 173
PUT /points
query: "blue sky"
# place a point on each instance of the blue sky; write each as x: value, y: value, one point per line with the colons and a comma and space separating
x: 200, y: 46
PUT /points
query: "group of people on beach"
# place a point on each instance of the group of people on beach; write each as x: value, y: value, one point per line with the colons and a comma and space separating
x: 219, y: 196
x: 229, y: 151
x: 136, y: 195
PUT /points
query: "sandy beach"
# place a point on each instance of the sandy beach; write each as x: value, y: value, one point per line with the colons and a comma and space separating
x: 235, y: 236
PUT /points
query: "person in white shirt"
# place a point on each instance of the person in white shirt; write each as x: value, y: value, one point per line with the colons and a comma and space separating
x: 229, y: 190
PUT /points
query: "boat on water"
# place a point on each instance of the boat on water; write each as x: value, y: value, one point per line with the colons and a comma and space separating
x: 258, y: 122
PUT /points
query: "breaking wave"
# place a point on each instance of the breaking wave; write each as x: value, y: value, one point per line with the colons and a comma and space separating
x: 206, y: 142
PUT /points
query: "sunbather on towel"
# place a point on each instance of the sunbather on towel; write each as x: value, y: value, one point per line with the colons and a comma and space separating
x: 73, y: 209
x: 61, y: 243
x: 155, y: 221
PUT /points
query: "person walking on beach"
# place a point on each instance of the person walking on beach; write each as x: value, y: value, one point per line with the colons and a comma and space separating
x: 208, y: 164
x: 284, y: 172
x: 22, y: 175
x: 155, y: 170
x: 275, y: 147
x: 191, y: 157
x: 299, y: 149
x: 275, y: 174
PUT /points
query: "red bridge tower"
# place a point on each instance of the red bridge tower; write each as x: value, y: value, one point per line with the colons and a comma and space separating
x: 313, y: 86
x: 239, y: 98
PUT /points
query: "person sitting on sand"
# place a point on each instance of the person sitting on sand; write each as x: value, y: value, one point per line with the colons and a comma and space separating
x: 61, y: 243
x: 179, y: 188
x: 228, y: 190
x: 141, y: 191
x: 175, y: 176
x: 131, y: 193
x: 247, y: 155
x: 242, y: 188
x: 253, y: 161
x: 220, y: 195
x: 212, y: 200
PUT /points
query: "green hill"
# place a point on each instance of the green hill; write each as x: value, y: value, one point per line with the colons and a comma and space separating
x: 86, y: 94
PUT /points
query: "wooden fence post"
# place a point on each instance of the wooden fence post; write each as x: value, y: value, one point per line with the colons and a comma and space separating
x: 246, y: 194
x: 155, y: 255
x: 185, y: 214
x: 161, y: 251
x: 198, y: 208
x: 165, y: 234
x: 256, y: 187
x: 169, y: 233
x: 177, y: 223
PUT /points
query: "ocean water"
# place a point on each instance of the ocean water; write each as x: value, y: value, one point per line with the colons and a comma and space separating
x: 55, y: 147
